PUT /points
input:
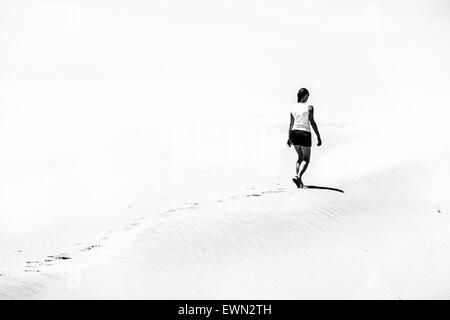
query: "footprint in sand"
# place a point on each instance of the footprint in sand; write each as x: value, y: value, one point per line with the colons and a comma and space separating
x: 192, y: 203
x: 90, y: 247
x: 62, y: 256
x: 254, y: 195
x: 32, y: 265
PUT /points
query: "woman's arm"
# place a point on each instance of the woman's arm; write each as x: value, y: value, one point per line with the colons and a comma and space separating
x: 289, y: 143
x: 314, y: 125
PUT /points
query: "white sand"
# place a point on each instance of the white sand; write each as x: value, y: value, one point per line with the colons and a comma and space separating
x: 256, y: 235
x: 143, y: 149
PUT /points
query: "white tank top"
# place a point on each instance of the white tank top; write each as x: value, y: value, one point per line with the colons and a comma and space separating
x: 300, y: 112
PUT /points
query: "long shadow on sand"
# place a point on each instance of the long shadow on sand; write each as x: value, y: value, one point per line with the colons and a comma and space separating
x: 323, y: 188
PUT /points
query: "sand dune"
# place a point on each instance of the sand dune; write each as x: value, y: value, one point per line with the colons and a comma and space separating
x: 144, y: 149
x: 384, y: 237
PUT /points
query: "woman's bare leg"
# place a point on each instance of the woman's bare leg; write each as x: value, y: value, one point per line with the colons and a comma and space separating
x: 306, y: 152
x: 298, y: 149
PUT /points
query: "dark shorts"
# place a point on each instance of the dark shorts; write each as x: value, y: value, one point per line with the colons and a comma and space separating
x: 300, y: 137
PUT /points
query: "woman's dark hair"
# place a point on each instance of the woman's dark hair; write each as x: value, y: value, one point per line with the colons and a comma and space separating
x: 302, y: 93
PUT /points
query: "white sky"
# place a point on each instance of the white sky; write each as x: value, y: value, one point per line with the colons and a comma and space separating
x: 97, y: 64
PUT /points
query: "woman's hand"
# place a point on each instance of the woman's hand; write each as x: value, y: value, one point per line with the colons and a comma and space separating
x: 289, y: 143
x: 319, y: 142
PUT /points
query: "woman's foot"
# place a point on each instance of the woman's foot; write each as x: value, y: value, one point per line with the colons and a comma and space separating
x: 300, y: 183
x: 297, y: 182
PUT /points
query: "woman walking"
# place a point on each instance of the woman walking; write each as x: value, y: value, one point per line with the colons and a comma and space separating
x: 302, y: 119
